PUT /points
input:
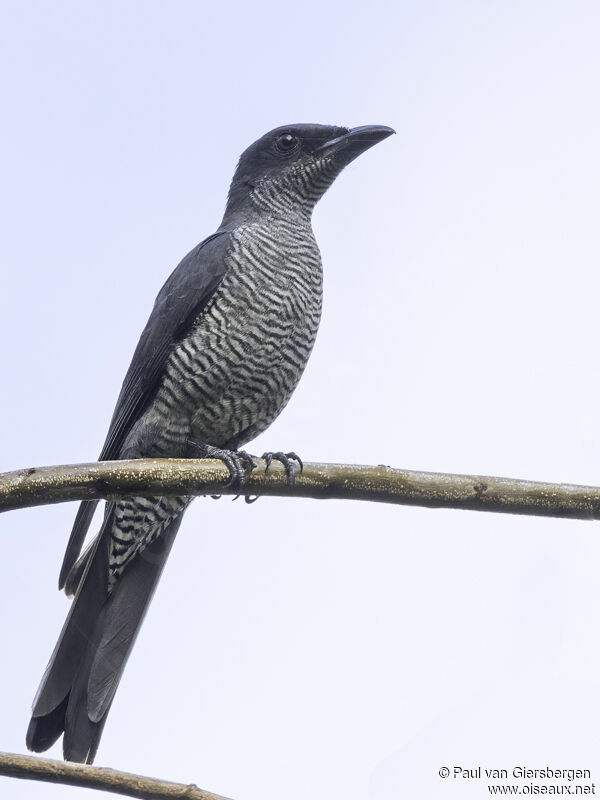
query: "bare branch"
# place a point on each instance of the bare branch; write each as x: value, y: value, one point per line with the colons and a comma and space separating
x: 103, y: 778
x: 147, y: 477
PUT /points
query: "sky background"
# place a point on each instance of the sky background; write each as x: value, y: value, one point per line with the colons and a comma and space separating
x: 300, y: 648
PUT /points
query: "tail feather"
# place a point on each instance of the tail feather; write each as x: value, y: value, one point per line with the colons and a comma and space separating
x: 77, y: 631
x: 85, y: 668
x: 82, y: 522
x: 76, y: 572
x: 122, y: 619
x: 44, y: 731
x: 81, y: 733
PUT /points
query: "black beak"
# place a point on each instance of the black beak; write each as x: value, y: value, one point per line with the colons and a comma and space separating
x: 350, y: 145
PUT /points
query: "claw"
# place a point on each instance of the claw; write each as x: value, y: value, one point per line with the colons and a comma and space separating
x: 238, y: 463
x: 297, y: 458
x: 249, y: 499
x: 287, y: 459
x: 247, y: 460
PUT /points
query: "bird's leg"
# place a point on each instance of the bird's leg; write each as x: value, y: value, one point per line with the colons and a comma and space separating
x: 239, y: 463
x: 287, y: 459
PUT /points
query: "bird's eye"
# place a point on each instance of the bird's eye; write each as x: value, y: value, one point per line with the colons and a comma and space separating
x: 286, y: 142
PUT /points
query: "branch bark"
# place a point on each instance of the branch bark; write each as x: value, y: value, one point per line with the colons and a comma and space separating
x: 146, y: 477
x: 103, y: 778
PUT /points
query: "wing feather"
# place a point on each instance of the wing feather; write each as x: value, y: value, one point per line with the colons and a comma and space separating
x: 179, y: 302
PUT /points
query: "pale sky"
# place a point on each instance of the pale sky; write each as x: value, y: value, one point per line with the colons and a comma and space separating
x: 301, y: 648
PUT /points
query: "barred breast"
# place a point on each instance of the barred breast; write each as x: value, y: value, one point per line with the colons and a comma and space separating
x: 234, y: 372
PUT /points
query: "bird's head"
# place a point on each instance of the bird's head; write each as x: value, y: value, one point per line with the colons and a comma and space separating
x: 290, y: 168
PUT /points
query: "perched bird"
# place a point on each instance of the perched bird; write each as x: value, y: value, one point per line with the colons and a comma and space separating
x: 226, y: 343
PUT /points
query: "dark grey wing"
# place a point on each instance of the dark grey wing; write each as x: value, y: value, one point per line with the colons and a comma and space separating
x: 177, y: 305
x: 181, y: 299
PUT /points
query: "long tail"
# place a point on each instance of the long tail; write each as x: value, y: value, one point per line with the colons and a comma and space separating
x: 81, y: 679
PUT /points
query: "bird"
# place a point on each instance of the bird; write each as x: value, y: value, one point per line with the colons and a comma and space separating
x: 224, y: 347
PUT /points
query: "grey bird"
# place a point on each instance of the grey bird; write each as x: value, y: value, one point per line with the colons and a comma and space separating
x: 226, y: 343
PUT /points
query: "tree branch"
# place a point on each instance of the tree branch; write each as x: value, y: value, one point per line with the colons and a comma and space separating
x: 146, y: 477
x: 108, y: 780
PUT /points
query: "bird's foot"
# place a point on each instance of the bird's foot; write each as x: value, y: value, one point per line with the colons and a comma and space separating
x: 239, y: 463
x: 289, y: 462
x: 287, y: 459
